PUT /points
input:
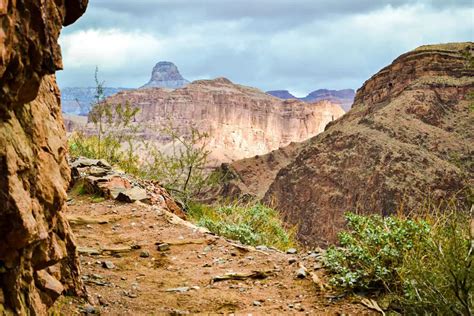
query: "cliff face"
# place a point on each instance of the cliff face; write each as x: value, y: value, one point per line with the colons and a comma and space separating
x: 242, y: 121
x: 408, y: 137
x: 38, y: 261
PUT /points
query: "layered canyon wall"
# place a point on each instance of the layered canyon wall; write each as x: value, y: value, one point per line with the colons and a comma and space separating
x: 241, y: 121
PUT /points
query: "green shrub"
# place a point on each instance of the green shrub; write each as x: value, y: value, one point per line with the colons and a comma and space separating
x: 426, y: 263
x: 252, y: 224
x: 372, y: 251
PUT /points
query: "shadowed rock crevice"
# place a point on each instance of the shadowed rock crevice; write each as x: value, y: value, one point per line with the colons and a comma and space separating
x: 38, y: 260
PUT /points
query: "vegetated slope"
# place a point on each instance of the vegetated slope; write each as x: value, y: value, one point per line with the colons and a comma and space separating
x: 408, y: 137
x: 241, y: 121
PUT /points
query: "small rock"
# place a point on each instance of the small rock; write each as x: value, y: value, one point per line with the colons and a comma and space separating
x: 89, y: 309
x: 292, y: 251
x: 144, y: 254
x: 132, y: 195
x: 292, y: 260
x: 317, y: 266
x: 262, y: 248
x: 108, y: 264
x: 299, y: 307
x: 163, y: 247
x: 183, y: 289
x: 257, y: 303
x: 301, y: 273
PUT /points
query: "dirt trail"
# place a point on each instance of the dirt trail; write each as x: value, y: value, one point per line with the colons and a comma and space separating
x: 147, y: 281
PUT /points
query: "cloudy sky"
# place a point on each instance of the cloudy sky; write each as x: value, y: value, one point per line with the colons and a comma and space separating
x: 298, y: 45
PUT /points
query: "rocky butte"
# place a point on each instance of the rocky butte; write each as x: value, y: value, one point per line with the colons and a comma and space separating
x: 407, y: 139
x: 165, y: 74
x: 38, y: 259
x: 241, y: 121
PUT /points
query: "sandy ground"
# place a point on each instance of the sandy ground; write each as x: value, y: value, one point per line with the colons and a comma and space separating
x: 142, y: 280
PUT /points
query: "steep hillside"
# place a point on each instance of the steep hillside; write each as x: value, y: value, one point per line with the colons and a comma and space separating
x: 409, y: 137
x: 242, y: 121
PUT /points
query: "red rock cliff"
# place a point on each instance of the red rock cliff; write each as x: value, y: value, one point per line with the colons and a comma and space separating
x: 38, y: 260
x: 408, y: 137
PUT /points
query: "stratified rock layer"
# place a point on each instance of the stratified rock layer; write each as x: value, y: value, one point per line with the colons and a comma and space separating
x: 38, y: 261
x: 408, y: 137
x: 241, y: 121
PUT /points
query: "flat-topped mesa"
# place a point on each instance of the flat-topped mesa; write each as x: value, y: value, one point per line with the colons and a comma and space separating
x: 242, y: 121
x: 165, y: 74
x: 38, y: 259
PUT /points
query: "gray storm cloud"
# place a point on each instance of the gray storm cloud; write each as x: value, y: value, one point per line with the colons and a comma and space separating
x: 300, y: 45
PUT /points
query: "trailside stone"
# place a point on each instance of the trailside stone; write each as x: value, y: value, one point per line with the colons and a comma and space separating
x: 132, y: 195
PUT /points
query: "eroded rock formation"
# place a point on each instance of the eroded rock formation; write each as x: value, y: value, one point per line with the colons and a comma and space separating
x: 241, y: 121
x: 165, y: 74
x: 38, y: 260
x: 407, y: 139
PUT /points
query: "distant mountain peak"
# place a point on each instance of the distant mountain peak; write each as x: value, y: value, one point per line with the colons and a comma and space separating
x: 344, y: 97
x: 165, y: 74
x: 282, y: 94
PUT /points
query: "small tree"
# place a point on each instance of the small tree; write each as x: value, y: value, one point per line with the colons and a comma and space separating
x: 183, y: 168
x: 114, y: 129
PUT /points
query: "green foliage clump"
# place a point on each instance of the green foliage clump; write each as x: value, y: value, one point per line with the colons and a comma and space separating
x: 373, y: 251
x: 252, y: 224
x: 426, y: 264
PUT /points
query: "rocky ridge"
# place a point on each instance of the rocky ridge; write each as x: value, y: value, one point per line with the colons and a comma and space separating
x: 165, y: 74
x: 408, y: 138
x: 343, y: 97
x: 241, y: 121
x: 38, y: 259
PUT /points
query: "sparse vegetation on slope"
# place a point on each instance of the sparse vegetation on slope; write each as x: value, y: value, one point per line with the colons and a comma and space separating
x: 252, y: 224
x: 426, y: 264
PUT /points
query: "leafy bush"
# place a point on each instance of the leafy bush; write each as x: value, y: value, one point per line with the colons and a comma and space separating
x: 425, y: 263
x: 252, y: 224
x: 373, y: 251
